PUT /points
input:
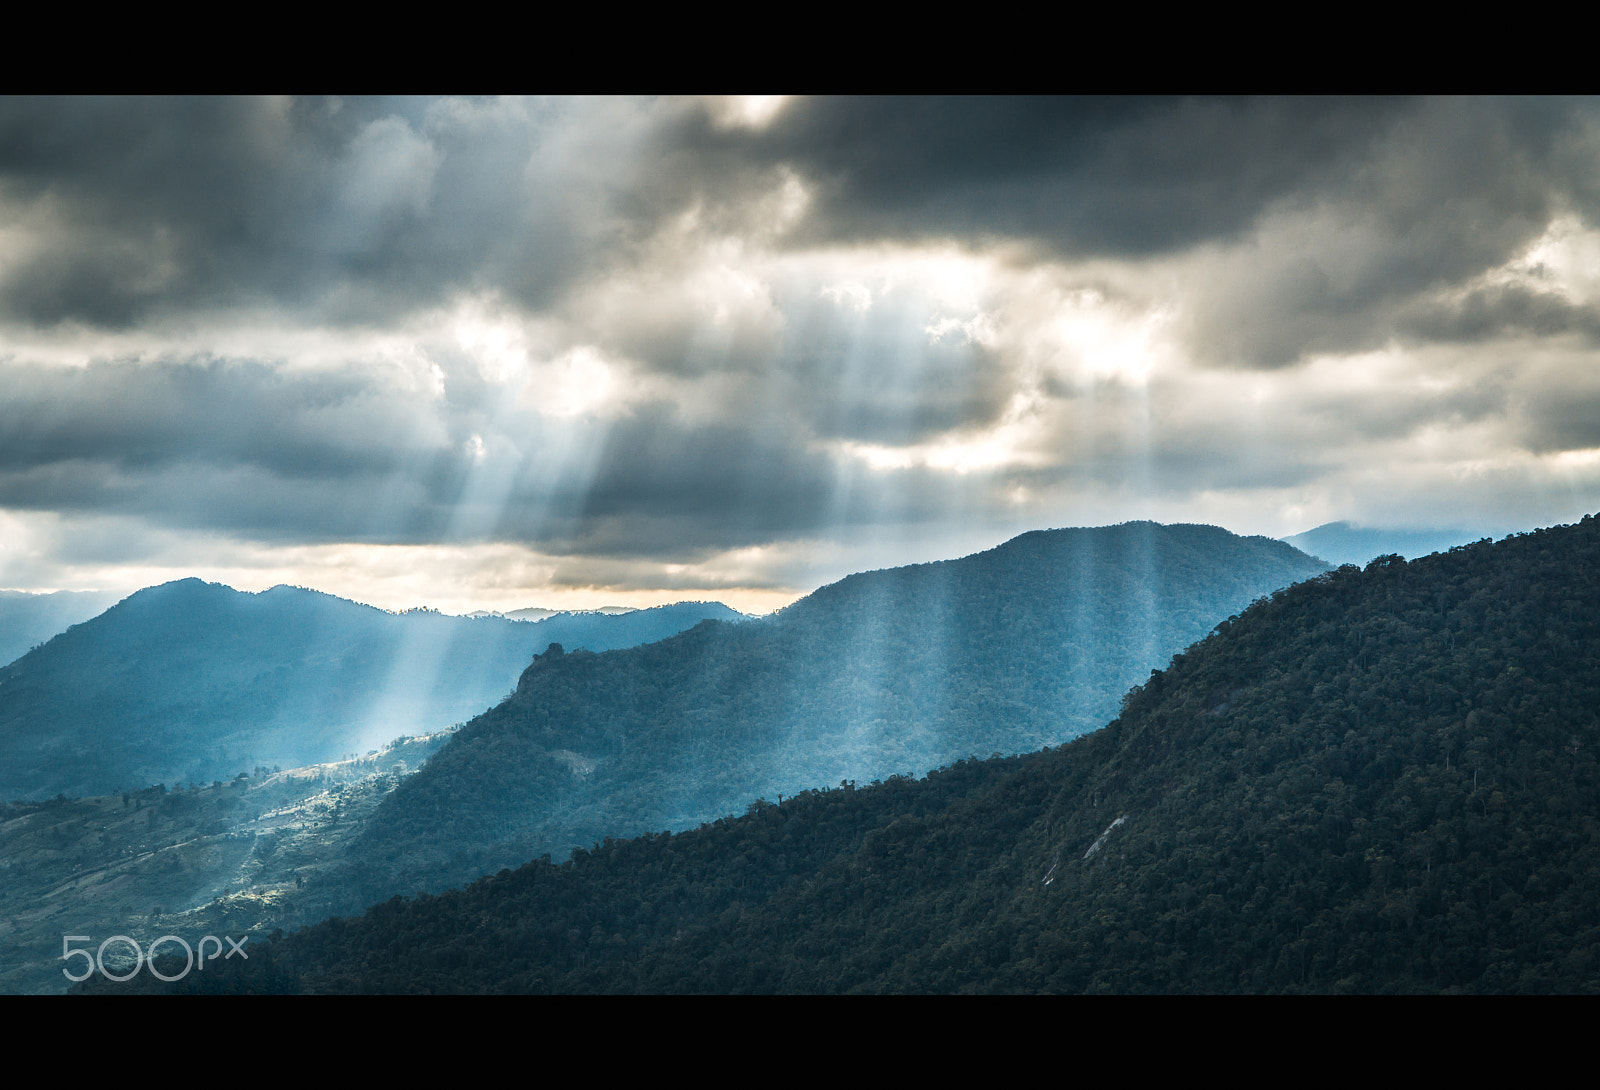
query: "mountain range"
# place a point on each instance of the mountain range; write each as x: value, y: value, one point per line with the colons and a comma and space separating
x: 901, y: 670
x: 1379, y: 780
x: 884, y: 673
x: 195, y: 682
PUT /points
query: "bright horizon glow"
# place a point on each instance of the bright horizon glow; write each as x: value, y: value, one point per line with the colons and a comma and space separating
x: 454, y: 580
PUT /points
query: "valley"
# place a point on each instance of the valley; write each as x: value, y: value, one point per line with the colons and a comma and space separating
x: 233, y: 858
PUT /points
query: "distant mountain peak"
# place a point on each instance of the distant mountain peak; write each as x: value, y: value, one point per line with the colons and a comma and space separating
x: 1347, y: 542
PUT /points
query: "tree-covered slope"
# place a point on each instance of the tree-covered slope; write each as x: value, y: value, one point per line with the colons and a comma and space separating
x: 883, y: 673
x: 195, y: 682
x: 1379, y: 781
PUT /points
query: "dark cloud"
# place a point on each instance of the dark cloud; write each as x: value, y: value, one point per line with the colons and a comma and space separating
x: 654, y: 465
x: 1498, y: 311
x: 353, y: 210
x: 1553, y: 420
x: 223, y: 445
x: 663, y: 486
x: 130, y: 415
x: 1085, y: 176
x: 155, y: 204
x: 1448, y: 190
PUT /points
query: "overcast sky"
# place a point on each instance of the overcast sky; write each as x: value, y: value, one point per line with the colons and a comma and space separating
x: 494, y: 354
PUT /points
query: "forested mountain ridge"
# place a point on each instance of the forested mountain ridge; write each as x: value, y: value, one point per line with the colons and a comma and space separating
x: 195, y: 682
x: 1374, y: 781
x: 883, y: 673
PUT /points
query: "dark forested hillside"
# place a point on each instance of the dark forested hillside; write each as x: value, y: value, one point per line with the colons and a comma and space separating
x: 195, y: 682
x: 1379, y: 780
x: 883, y: 673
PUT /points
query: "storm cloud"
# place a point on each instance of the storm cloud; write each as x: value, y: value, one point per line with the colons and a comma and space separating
x: 634, y: 346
